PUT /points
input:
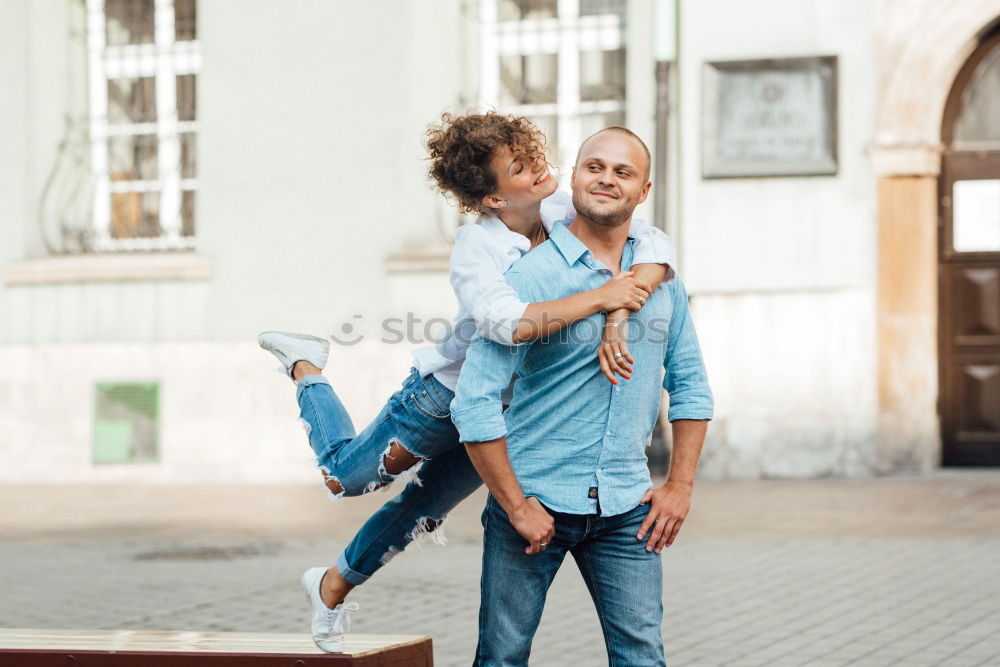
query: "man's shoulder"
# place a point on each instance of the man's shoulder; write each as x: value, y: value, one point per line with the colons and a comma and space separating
x: 675, y: 287
x: 535, y: 267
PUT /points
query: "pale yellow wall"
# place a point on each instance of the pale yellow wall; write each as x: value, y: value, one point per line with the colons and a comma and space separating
x: 907, y: 323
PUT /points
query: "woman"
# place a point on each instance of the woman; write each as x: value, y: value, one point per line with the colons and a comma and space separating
x: 493, y: 165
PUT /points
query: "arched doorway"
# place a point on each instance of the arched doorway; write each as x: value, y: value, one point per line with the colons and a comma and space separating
x: 969, y: 263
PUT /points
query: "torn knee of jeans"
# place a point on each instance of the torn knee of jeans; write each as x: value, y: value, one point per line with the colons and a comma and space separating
x: 306, y: 426
x: 333, y: 484
x: 397, y: 458
x: 374, y: 486
x: 428, y: 526
x: 399, y: 464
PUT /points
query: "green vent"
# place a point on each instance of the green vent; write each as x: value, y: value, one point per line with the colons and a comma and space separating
x: 126, y: 422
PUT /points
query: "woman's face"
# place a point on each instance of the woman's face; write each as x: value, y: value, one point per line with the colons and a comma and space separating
x: 522, y: 180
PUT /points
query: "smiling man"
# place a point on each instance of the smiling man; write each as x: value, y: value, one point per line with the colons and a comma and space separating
x: 566, y: 464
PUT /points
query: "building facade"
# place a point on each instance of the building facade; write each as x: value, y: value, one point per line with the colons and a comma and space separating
x: 181, y: 175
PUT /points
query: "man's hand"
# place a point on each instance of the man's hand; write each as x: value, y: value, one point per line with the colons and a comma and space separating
x: 671, y: 503
x: 534, y: 524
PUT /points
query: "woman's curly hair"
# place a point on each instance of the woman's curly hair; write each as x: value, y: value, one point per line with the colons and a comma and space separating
x: 461, y: 147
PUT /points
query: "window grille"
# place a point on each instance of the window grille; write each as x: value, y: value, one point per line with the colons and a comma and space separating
x: 561, y: 63
x: 126, y: 422
x: 144, y: 59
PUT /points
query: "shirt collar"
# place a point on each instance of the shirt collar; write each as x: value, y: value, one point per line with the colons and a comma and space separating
x: 550, y: 212
x: 565, y: 241
x: 494, y: 225
x: 569, y: 246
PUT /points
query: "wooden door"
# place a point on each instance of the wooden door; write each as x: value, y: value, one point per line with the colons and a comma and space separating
x: 969, y: 265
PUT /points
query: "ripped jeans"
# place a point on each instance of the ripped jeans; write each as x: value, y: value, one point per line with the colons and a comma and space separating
x: 416, y: 418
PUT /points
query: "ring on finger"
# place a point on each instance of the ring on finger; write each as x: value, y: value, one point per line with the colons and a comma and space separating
x: 619, y: 356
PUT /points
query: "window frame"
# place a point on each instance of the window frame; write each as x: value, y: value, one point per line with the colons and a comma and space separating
x: 563, y: 35
x: 165, y: 58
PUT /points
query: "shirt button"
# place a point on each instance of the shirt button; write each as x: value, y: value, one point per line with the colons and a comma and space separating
x: 593, y: 492
x: 618, y: 388
x: 608, y: 433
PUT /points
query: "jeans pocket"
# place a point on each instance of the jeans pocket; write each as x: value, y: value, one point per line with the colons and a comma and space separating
x: 429, y: 404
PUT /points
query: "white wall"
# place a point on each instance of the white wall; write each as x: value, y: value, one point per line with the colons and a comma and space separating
x: 311, y: 172
x: 225, y: 415
x: 746, y: 235
x: 313, y: 116
x: 794, y: 386
x: 14, y: 125
x: 782, y: 270
x: 310, y: 167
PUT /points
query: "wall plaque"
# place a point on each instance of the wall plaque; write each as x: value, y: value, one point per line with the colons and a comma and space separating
x: 775, y: 117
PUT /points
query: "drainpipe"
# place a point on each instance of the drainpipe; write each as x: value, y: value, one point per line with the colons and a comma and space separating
x: 666, y: 38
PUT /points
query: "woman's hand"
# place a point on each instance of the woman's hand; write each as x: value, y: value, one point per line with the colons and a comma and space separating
x: 613, y: 352
x: 623, y: 291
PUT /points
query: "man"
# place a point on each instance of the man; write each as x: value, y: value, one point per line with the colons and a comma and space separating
x: 565, y: 465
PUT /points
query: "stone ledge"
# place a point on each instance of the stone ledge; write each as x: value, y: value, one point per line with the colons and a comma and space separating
x: 426, y: 257
x: 144, y: 266
x: 889, y: 160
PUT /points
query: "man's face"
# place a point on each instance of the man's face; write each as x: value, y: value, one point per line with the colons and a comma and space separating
x: 610, y: 178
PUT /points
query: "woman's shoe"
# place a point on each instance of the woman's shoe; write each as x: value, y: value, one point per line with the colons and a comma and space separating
x: 328, y: 625
x: 292, y: 347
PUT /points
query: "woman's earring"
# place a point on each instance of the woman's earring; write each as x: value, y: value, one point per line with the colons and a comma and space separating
x: 505, y: 203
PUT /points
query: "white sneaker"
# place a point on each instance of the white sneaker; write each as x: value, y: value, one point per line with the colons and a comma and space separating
x: 292, y: 347
x: 328, y: 625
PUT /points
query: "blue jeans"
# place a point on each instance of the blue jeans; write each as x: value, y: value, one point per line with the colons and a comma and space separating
x: 625, y: 582
x: 418, y: 418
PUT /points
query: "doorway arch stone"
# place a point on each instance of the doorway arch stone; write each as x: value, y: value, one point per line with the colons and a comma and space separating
x: 923, y: 45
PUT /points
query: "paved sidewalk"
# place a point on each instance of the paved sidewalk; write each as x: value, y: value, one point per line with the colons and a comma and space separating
x: 872, y: 572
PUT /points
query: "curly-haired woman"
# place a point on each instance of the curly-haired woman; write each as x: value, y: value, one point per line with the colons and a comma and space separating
x: 493, y: 165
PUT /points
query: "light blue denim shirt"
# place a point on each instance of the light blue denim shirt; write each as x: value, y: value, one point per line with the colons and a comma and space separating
x: 570, y: 431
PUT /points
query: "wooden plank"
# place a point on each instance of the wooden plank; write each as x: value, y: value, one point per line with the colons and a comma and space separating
x: 141, y: 648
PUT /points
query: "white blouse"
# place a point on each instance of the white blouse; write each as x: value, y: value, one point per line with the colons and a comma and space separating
x: 487, y: 305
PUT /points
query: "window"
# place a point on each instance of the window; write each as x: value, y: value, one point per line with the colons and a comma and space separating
x: 978, y: 122
x: 144, y: 62
x: 559, y: 62
x: 126, y: 422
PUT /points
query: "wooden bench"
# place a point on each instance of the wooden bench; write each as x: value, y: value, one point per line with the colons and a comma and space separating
x: 145, y: 648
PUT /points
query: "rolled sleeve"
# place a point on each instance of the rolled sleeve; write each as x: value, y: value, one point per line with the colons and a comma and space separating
x: 653, y: 247
x: 685, y: 380
x: 477, y: 409
x: 479, y: 422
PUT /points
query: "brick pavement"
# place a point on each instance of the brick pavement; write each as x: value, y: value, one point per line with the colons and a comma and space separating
x: 911, y: 580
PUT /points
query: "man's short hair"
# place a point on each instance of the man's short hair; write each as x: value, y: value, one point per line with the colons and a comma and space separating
x: 618, y: 129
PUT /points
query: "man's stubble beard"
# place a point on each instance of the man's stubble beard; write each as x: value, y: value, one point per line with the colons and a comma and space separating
x: 611, y: 218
